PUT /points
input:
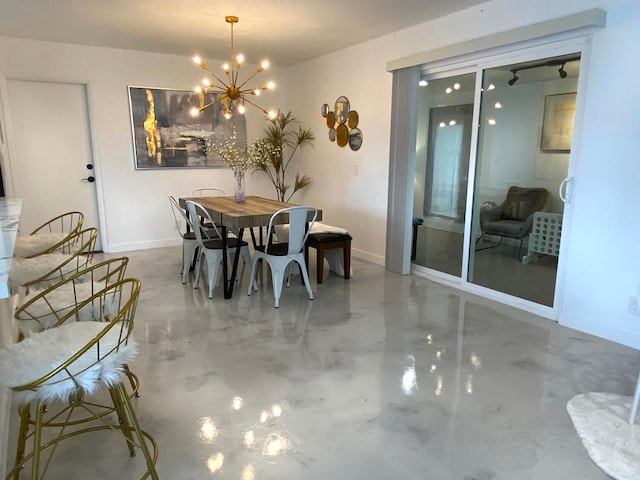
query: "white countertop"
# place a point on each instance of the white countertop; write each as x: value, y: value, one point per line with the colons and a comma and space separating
x: 9, y: 222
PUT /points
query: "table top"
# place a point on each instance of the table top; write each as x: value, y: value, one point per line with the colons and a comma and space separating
x: 253, y: 212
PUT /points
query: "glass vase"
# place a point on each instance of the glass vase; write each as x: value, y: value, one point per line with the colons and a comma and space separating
x: 239, y: 193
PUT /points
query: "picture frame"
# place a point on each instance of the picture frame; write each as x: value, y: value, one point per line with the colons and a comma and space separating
x: 166, y: 135
x: 557, y: 122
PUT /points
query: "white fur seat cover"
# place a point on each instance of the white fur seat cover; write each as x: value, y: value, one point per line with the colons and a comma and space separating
x: 24, y: 270
x: 34, y: 244
x: 48, y: 309
x: 26, y: 361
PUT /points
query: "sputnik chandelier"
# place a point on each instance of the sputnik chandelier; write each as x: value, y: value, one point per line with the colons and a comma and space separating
x: 231, y: 94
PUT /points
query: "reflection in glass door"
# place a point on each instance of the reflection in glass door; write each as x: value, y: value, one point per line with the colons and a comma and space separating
x: 524, y: 140
x: 442, y: 168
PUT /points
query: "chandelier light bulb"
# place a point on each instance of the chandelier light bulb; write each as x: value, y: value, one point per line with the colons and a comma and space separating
x: 271, y: 86
x: 272, y: 114
x: 256, y: 92
x: 194, y: 112
x: 240, y: 59
x: 227, y: 115
x: 241, y: 109
x: 225, y: 67
x: 197, y: 60
x: 198, y: 90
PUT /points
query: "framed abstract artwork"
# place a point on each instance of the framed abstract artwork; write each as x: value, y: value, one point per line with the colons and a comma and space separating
x: 557, y: 122
x: 166, y: 135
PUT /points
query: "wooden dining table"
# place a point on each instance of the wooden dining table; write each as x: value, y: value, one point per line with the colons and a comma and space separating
x: 227, y: 214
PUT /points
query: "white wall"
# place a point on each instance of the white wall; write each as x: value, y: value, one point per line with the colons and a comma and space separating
x: 135, y: 208
x: 601, y: 253
x: 602, y: 258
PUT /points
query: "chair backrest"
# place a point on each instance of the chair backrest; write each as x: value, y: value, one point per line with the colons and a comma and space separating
x: 297, y: 218
x: 183, y: 223
x: 44, y: 309
x: 197, y: 213
x: 69, y: 222
x: 208, y: 192
x: 49, y: 236
x: 75, y: 254
x: 522, y: 202
x: 94, y: 351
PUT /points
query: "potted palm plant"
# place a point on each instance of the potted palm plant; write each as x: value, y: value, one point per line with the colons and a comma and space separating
x: 284, y: 136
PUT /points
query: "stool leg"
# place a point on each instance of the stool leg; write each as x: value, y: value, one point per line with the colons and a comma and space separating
x: 320, y: 263
x: 346, y: 259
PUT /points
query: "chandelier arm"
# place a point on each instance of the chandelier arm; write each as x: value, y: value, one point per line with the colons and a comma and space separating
x: 249, y: 79
x: 217, y: 100
x: 218, y: 79
x: 245, y: 99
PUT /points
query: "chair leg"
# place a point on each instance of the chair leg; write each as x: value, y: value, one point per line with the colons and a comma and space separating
x: 320, y: 263
x: 277, y: 277
x: 37, y: 439
x: 25, y: 414
x: 303, y: 272
x: 199, y: 268
x: 346, y: 259
x: 252, y: 277
x: 130, y: 412
x: 188, y: 254
x: 123, y: 420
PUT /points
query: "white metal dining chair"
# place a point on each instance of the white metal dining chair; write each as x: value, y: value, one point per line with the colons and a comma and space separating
x: 279, y: 256
x: 211, y: 247
x: 186, y: 231
x: 208, y: 192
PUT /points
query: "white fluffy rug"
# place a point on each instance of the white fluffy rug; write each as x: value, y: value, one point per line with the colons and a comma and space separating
x: 601, y: 420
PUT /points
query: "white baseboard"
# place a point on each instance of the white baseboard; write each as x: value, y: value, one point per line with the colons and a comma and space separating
x: 602, y: 330
x: 369, y: 257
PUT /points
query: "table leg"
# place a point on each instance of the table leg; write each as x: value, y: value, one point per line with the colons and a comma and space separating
x: 230, y: 282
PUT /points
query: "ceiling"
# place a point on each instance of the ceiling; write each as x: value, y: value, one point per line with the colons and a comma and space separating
x: 287, y: 32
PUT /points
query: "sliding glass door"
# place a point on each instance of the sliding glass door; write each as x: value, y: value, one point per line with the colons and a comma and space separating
x: 445, y: 129
x: 521, y: 148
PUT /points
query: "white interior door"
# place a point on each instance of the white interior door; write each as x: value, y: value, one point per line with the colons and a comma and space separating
x: 51, y: 152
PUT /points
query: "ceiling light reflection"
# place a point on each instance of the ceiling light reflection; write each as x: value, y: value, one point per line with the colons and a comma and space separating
x: 208, y: 430
x: 476, y: 361
x: 430, y: 339
x: 448, y: 90
x: 264, y: 416
x: 276, y: 410
x: 276, y: 444
x: 423, y: 83
x: 491, y: 121
x: 237, y: 403
x: 248, y: 438
x: 248, y: 473
x: 497, y: 105
x: 409, y: 380
x: 469, y: 385
x: 215, y: 462
x: 439, y: 385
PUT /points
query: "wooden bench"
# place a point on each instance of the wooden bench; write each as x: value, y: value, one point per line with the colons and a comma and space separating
x: 326, y: 241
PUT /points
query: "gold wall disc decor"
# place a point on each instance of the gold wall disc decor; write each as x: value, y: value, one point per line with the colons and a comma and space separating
x: 352, y: 119
x: 342, y: 135
x: 331, y: 120
x: 342, y: 123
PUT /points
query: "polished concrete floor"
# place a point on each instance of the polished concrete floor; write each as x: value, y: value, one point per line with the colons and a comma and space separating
x: 379, y: 377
